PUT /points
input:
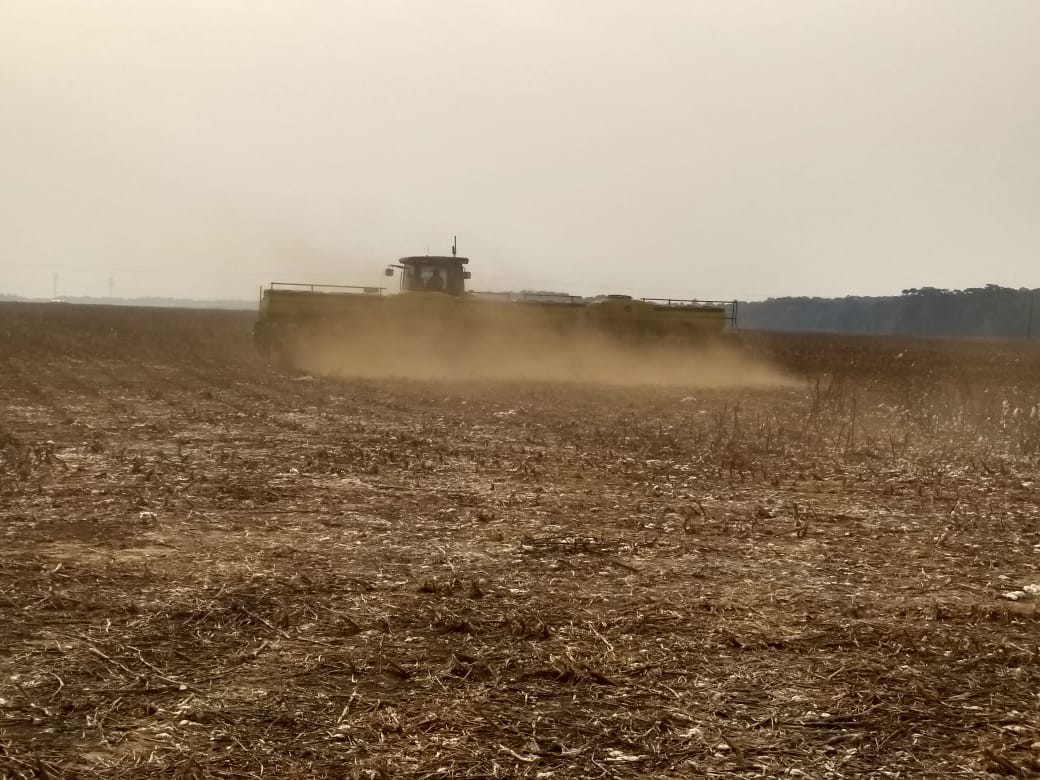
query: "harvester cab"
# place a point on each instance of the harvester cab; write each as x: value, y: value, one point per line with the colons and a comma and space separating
x: 432, y: 273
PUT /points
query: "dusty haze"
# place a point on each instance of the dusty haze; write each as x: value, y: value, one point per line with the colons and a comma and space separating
x: 710, y: 149
x: 512, y: 342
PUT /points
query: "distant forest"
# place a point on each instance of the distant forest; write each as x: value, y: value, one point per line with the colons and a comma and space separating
x: 979, y: 312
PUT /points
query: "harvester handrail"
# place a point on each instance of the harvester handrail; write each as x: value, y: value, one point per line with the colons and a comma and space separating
x: 537, y: 297
x: 528, y: 297
x: 730, y: 307
x: 326, y: 287
x: 685, y: 302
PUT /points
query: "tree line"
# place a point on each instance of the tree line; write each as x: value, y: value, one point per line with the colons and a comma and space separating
x: 978, y: 312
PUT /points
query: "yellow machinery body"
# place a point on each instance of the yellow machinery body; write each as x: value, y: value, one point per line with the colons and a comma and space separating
x: 292, y: 315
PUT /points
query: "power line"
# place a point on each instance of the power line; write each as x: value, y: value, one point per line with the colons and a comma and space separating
x: 599, y: 286
x: 114, y: 270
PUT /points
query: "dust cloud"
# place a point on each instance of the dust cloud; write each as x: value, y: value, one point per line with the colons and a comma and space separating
x: 512, y: 343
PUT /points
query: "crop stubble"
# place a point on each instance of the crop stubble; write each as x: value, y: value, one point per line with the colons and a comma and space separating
x: 213, y: 569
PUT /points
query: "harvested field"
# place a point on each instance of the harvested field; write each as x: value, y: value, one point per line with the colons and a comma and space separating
x: 210, y: 569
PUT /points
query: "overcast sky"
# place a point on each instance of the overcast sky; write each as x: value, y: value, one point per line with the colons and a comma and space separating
x: 715, y: 149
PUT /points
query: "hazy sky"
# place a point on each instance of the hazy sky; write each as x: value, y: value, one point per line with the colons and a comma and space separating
x: 202, y: 147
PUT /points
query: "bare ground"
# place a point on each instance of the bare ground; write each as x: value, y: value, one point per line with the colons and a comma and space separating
x: 212, y: 569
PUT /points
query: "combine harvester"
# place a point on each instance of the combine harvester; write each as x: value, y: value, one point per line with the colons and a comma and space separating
x: 434, y: 312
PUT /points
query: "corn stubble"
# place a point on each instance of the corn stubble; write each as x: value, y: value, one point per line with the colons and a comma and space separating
x: 817, y: 562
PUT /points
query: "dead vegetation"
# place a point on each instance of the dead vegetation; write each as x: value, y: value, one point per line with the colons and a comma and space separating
x: 211, y: 570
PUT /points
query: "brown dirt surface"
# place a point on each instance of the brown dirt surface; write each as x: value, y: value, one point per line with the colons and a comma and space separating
x: 210, y: 568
